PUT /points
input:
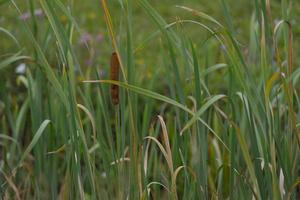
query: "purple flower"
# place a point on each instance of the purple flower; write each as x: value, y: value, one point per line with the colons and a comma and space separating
x: 89, y: 62
x: 99, y: 37
x: 27, y: 15
x: 85, y: 38
x: 223, y: 47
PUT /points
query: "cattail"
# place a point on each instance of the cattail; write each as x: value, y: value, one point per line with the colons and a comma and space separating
x: 114, y: 75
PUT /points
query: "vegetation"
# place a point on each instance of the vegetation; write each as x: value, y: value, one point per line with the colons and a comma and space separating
x: 208, y: 103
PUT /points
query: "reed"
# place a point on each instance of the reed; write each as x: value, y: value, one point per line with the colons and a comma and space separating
x: 203, y: 105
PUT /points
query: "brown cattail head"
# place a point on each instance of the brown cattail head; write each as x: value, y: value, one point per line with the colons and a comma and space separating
x: 114, y: 75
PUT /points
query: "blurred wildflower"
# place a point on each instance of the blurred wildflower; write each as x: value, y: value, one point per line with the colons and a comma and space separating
x: 21, y: 68
x: 27, y: 15
x: 89, y: 38
x: 99, y: 37
x: 89, y: 61
x: 223, y: 47
x: 101, y: 73
x: 89, y: 43
x: 85, y: 38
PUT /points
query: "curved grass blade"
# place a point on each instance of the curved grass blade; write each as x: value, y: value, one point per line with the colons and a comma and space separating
x: 197, y: 115
x: 10, y: 35
x: 14, y: 58
x: 34, y: 140
x: 160, y: 97
x: 201, y: 14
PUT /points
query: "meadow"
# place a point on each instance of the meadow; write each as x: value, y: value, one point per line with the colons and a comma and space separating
x: 149, y: 99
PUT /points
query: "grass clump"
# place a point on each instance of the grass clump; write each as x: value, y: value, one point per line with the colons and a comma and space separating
x: 199, y: 111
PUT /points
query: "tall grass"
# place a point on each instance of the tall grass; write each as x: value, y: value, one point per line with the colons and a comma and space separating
x: 203, y: 117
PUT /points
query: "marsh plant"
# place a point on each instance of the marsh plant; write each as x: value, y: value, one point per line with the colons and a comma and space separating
x: 139, y: 99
